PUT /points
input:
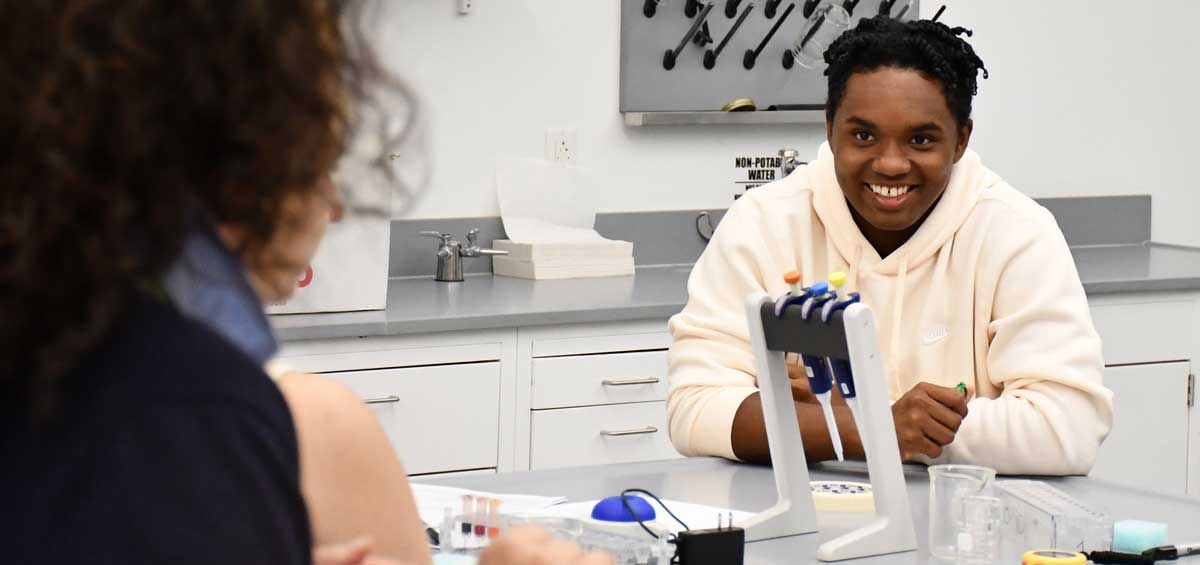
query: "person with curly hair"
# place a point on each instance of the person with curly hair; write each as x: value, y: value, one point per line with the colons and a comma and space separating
x: 970, y: 281
x: 165, y: 172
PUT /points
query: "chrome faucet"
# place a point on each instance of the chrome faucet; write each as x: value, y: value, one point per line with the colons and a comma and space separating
x: 450, y: 253
x: 789, y: 159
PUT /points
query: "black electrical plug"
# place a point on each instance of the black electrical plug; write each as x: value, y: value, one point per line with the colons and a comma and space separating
x: 715, y: 546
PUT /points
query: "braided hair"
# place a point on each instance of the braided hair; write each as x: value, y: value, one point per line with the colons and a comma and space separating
x: 928, y: 47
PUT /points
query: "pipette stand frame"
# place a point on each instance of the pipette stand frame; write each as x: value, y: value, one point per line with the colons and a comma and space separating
x: 848, y: 334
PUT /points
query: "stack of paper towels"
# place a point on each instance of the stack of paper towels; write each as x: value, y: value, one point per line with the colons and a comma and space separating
x: 550, y: 223
x: 564, y: 260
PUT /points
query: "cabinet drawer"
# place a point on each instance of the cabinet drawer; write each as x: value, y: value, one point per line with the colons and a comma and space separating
x: 588, y: 380
x: 596, y: 435
x: 1147, y: 332
x: 441, y: 418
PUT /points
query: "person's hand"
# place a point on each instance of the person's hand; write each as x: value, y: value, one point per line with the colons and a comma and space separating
x: 357, y: 552
x: 531, y: 545
x: 802, y: 390
x: 799, y: 381
x: 927, y: 418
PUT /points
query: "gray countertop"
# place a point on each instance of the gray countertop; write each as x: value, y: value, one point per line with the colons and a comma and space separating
x: 420, y: 305
x: 725, y: 484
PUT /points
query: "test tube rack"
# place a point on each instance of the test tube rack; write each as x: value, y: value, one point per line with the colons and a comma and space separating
x: 850, y: 334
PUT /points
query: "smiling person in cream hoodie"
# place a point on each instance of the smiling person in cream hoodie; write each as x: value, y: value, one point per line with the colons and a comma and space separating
x: 969, y: 279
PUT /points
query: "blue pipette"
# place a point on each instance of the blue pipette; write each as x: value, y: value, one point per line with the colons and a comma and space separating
x: 840, y: 368
x: 820, y: 382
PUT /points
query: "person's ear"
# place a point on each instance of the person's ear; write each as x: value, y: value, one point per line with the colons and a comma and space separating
x: 964, y: 138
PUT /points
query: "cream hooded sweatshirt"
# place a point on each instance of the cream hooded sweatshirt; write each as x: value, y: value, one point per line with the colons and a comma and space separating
x: 985, y: 292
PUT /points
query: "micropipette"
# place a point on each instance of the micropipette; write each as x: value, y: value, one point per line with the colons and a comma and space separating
x: 840, y: 368
x: 820, y: 382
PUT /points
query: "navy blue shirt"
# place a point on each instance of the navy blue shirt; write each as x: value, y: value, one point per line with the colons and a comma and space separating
x: 170, y: 446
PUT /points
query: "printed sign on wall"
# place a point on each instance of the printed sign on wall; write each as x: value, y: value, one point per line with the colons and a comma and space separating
x: 751, y: 171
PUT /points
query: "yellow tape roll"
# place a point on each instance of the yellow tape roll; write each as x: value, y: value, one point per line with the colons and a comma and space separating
x: 1053, y: 557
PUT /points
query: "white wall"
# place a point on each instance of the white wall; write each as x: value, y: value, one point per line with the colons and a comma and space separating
x: 496, y: 79
x: 1086, y: 98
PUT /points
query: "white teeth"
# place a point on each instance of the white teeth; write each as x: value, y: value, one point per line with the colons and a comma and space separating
x: 889, y: 191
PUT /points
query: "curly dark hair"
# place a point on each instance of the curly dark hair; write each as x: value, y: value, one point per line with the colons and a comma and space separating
x: 931, y: 48
x: 123, y: 119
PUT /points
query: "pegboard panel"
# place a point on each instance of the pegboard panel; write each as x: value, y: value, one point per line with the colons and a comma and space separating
x: 647, y: 86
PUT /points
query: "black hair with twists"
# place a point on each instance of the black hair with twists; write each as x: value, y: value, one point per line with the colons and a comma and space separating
x: 931, y: 48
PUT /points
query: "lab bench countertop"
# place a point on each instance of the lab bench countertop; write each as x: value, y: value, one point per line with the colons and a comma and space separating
x: 484, y: 301
x: 725, y: 484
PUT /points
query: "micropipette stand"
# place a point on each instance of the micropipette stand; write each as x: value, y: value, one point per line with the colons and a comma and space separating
x: 849, y: 334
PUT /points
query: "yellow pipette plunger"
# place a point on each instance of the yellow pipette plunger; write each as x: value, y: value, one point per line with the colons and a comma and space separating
x: 837, y: 280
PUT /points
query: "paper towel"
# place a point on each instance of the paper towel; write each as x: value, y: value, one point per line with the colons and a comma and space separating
x: 545, y: 202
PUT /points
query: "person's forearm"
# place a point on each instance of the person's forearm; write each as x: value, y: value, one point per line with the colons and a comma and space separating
x: 749, y: 434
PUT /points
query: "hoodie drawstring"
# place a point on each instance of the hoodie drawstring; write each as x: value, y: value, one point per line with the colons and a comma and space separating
x: 897, y: 313
x: 852, y: 276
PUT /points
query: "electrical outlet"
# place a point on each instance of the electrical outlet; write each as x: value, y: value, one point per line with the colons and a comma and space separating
x: 561, y: 146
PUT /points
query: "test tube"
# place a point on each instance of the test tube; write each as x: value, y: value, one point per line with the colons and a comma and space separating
x: 481, y: 505
x: 493, y: 518
x: 446, y: 536
x: 468, y: 510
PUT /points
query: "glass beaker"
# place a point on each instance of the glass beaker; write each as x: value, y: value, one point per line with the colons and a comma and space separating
x: 949, y: 485
x: 826, y: 24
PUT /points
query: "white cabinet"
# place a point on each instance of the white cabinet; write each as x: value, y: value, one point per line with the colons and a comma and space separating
x: 577, y: 394
x: 1148, y: 446
x: 440, y: 418
x: 1150, y: 342
x: 445, y: 400
x: 508, y: 399
x: 596, y: 394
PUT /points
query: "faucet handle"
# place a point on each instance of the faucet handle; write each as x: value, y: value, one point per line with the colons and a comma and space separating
x: 445, y: 237
x: 473, y: 237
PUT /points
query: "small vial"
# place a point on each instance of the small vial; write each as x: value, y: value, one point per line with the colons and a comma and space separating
x: 480, y: 516
x: 493, y: 518
x: 468, y: 510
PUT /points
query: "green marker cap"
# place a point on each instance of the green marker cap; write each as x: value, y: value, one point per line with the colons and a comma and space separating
x: 962, y: 387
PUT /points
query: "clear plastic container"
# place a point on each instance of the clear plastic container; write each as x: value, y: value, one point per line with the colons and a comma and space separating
x: 949, y: 486
x: 828, y: 22
x: 1038, y: 515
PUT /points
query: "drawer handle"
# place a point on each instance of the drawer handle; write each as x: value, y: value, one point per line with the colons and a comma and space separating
x: 627, y: 382
x: 633, y: 432
x: 382, y: 399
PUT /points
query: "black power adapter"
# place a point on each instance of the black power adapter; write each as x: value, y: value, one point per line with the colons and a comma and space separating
x: 716, y: 546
